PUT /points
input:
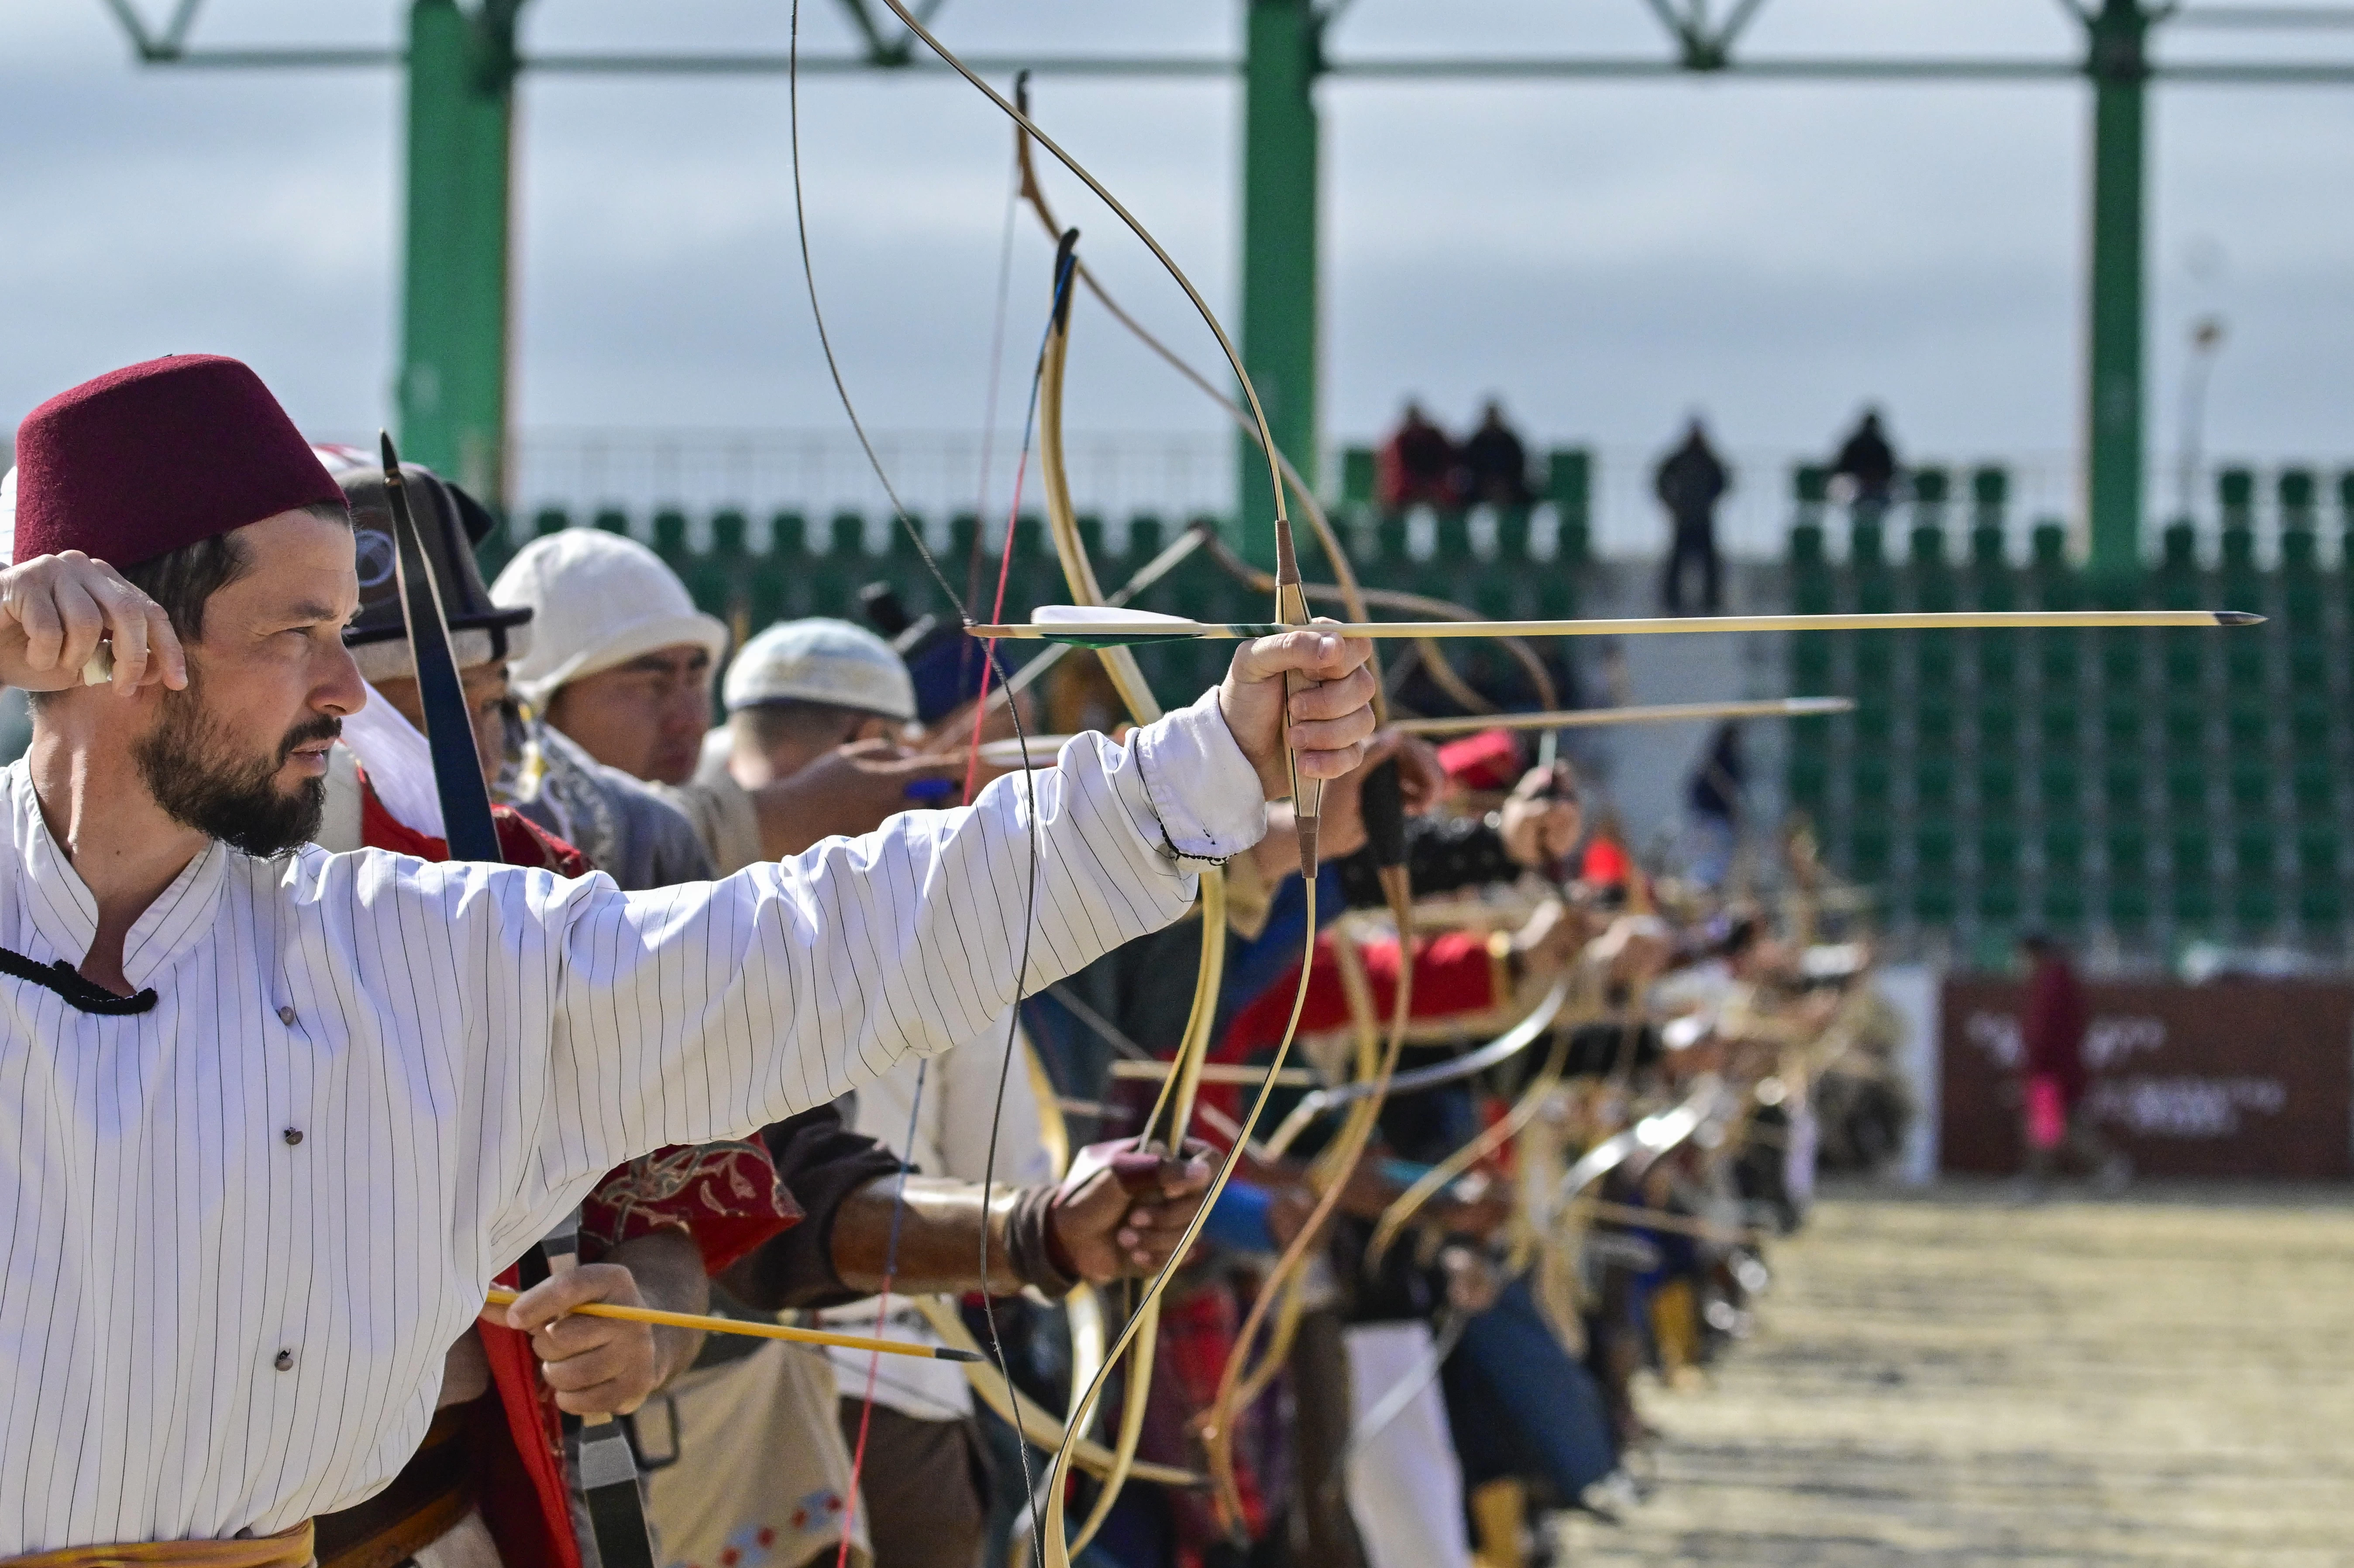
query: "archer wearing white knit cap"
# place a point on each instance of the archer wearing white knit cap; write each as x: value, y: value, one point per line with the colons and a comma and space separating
x: 620, y: 660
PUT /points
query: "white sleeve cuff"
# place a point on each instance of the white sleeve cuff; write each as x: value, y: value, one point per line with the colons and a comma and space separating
x: 1197, y: 781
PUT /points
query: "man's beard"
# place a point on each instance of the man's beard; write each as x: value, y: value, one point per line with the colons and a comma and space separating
x: 204, y: 780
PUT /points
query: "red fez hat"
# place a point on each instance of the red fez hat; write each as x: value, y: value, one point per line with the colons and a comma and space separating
x: 152, y: 457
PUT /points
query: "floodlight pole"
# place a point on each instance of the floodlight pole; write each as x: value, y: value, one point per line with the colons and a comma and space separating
x: 455, y: 323
x: 2115, y: 312
x: 1281, y: 219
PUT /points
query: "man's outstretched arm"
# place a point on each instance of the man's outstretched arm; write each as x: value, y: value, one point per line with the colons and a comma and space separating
x: 699, y: 1012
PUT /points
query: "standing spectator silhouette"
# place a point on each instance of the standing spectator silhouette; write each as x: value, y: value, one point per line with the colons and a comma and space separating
x: 1712, y: 805
x: 1869, y: 462
x: 1417, y: 465
x: 1690, y: 482
x: 2054, y: 1118
x: 1495, y: 464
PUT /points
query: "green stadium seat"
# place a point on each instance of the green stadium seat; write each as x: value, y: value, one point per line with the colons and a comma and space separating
x: 2059, y: 658
x: 1875, y: 721
x: 1998, y: 722
x: 2321, y: 903
x: 2248, y: 722
x: 1809, y: 782
x: 1933, y: 901
x: 2058, y: 721
x: 1810, y: 662
x: 2255, y: 851
x: 2063, y: 847
x: 1935, y: 726
x: 612, y: 519
x: 2313, y: 783
x: 1933, y: 783
x: 1997, y: 660
x: 2121, y: 784
x: 2186, y: 784
x: 550, y: 520
x: 2059, y: 782
x: 2193, y: 903
x: 2186, y: 727
x: 1358, y: 466
x: 2255, y: 903
x: 1868, y: 851
x: 1871, y: 781
x: 2185, y: 660
x: 2251, y: 784
x: 1934, y: 661
x: 2129, y: 904
x: 1999, y: 901
x: 2308, y: 666
x: 2063, y: 905
x: 2317, y: 853
x: 2309, y: 725
x: 2121, y: 653
x: 2127, y: 848
x: 1998, y: 852
x: 670, y: 535
x: 1997, y: 780
x: 2122, y: 721
x: 2244, y: 662
x: 2193, y: 853
x: 1935, y: 850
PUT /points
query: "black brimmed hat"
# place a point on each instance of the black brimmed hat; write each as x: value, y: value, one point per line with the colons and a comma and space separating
x: 449, y: 524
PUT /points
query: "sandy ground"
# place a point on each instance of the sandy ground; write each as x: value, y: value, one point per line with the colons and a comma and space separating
x: 2164, y: 1379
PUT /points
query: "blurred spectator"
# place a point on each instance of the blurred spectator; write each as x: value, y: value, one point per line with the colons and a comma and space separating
x: 2053, y: 1080
x: 1495, y: 464
x: 1712, y: 799
x: 1418, y: 465
x: 1690, y: 482
x: 1869, y: 463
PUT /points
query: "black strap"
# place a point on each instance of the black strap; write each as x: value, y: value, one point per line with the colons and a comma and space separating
x: 61, y: 977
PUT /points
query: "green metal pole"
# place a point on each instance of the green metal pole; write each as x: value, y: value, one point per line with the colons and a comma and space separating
x: 1279, y: 231
x: 452, y: 389
x: 2118, y: 65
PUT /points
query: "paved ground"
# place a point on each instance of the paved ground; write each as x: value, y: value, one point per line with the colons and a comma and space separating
x: 2167, y: 1380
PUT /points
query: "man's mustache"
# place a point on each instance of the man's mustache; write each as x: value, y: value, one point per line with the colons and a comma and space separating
x: 326, y: 727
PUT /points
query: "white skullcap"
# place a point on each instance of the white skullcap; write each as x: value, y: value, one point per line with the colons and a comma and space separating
x: 821, y: 660
x: 597, y: 599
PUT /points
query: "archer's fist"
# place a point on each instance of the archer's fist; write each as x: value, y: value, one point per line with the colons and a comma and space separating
x: 1330, y: 720
x: 1121, y: 1214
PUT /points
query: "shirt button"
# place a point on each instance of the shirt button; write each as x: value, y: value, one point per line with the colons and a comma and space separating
x: 286, y: 1016
x: 283, y: 1361
x: 293, y: 1134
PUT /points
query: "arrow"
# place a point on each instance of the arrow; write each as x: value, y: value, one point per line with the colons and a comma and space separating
x: 1087, y: 628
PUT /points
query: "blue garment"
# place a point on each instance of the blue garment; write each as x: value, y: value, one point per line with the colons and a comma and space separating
x: 1239, y: 1219
x: 1510, y: 1364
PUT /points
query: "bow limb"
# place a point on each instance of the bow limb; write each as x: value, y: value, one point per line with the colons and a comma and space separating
x: 1240, y: 1382
x: 1178, y: 1091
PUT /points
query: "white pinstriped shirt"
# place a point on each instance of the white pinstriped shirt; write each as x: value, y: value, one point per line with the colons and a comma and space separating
x: 240, y: 1230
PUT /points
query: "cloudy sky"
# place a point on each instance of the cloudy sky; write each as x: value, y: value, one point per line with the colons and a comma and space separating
x: 1606, y: 257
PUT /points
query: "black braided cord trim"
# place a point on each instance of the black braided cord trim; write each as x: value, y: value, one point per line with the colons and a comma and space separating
x: 59, y: 977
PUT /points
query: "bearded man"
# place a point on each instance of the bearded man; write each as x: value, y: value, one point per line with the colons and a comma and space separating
x: 277, y: 1115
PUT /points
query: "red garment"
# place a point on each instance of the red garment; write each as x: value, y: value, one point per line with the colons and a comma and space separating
x: 1415, y: 467
x: 725, y: 1196
x: 1453, y: 973
x: 1488, y: 761
x: 1197, y: 1331
x: 2051, y: 1029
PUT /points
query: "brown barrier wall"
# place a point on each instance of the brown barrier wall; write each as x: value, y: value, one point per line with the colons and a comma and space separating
x: 2237, y: 1078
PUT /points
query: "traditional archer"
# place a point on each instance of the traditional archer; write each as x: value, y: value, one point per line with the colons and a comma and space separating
x: 280, y: 1113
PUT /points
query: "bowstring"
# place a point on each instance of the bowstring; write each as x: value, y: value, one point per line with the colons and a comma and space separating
x: 881, y: 1313
x: 1006, y: 555
x: 1030, y: 777
x: 989, y: 411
